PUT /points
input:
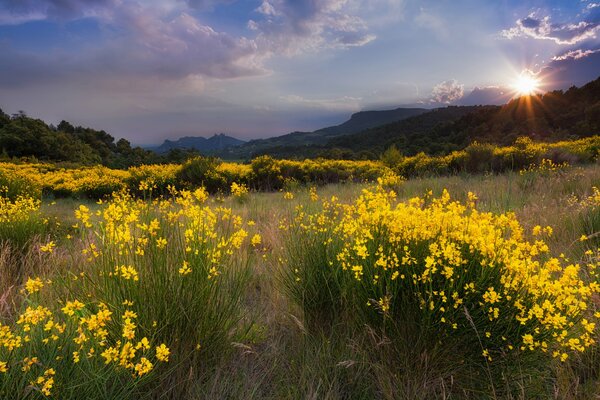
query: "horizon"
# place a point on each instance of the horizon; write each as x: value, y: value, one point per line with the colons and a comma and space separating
x: 256, y: 69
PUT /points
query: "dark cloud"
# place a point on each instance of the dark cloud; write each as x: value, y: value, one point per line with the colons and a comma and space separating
x: 543, y: 28
x: 149, y: 42
x: 54, y: 9
x: 292, y: 26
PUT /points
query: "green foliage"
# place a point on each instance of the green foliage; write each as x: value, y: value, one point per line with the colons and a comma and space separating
x: 392, y: 156
x: 203, y: 171
x: 266, y: 173
x: 22, y: 136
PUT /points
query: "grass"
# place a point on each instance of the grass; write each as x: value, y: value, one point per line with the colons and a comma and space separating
x: 271, y: 348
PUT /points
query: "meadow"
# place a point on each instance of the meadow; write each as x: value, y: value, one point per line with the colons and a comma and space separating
x: 304, y: 280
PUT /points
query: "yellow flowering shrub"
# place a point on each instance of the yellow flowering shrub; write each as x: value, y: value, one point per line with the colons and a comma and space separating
x: 20, y: 220
x: 153, y: 177
x: 239, y: 191
x: 450, y: 269
x: 93, y: 182
x: 179, y: 261
x: 18, y: 210
x: 81, y: 348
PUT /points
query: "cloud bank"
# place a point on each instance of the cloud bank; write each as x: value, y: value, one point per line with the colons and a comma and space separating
x: 169, y: 40
x: 447, y: 92
x: 543, y: 28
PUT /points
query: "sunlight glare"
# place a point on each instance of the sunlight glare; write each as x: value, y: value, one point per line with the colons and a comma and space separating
x: 526, y: 84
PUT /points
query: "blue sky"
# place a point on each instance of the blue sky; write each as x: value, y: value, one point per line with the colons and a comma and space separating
x: 155, y: 69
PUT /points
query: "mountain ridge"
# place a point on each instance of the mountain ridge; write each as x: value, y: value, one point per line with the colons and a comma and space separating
x: 357, y: 122
x: 202, y: 144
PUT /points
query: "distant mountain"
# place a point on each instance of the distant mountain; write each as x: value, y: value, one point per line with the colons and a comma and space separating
x: 212, y: 144
x: 369, y: 119
x: 358, y: 122
x: 412, y: 135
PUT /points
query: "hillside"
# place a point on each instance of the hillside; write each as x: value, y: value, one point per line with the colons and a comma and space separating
x: 199, y: 143
x: 23, y: 136
x: 426, y: 131
x: 357, y: 122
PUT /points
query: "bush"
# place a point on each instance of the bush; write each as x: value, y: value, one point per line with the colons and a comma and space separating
x: 157, y: 177
x: 20, y: 222
x: 466, y: 283
x: 266, y: 174
x: 14, y: 185
x: 179, y: 265
x: 203, y: 172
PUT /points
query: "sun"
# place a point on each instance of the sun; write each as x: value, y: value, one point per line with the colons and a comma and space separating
x: 526, y: 84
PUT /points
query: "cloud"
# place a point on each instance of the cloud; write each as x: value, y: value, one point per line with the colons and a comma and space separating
x: 575, y: 54
x: 147, y: 43
x: 207, y: 4
x: 447, y: 92
x: 432, y: 22
x: 345, y: 103
x: 29, y: 10
x: 166, y: 40
x: 575, y: 67
x: 295, y: 26
x: 182, y: 46
x: 542, y: 28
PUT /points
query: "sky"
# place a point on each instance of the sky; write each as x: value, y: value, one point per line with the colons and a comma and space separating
x: 156, y: 69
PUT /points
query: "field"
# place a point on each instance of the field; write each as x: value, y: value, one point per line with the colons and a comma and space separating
x: 377, y: 287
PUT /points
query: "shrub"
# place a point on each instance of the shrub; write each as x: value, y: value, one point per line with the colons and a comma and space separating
x: 203, y: 172
x: 14, y: 185
x: 179, y: 265
x: 448, y: 274
x: 266, y: 174
x: 239, y: 191
x: 158, y: 177
x: 20, y: 221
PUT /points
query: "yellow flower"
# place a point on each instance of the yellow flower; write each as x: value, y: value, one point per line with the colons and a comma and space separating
x: 3, y: 366
x: 162, y: 353
x: 256, y: 240
x: 33, y: 285
x: 48, y: 248
x: 185, y: 269
x: 72, y: 306
x: 143, y: 367
x: 161, y: 243
x: 128, y: 329
x: 143, y: 344
x: 127, y: 272
x: 239, y: 190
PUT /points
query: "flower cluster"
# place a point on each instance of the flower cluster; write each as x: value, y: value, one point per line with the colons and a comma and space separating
x: 461, y: 268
